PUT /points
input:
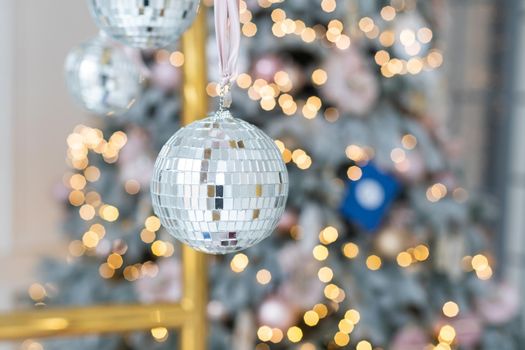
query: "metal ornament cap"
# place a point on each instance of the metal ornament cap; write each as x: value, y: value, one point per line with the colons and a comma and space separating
x: 219, y: 184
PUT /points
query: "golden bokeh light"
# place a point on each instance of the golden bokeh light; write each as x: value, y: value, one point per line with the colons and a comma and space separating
x: 325, y: 274
x: 76, y: 198
x: 363, y: 345
x: 152, y: 223
x: 37, y: 292
x: 351, y: 250
x: 447, y: 333
x: 353, y: 316
x: 106, y: 271
x: 320, y: 252
x: 263, y: 276
x: 177, y: 58
x: 159, y: 248
x: 311, y: 318
x: 388, y: 13
x: 294, y: 334
x: 159, y: 333
x: 373, y: 262
x: 450, y: 309
x: 264, y: 333
x: 321, y: 310
x: 404, y: 259
x: 239, y: 262
x: 354, y: 173
x: 115, y: 261
x: 346, y: 326
x: 109, y: 213
x: 341, y: 339
x: 90, y: 239
x: 328, y: 235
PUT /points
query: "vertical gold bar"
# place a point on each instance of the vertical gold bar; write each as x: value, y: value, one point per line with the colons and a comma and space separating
x: 195, y: 106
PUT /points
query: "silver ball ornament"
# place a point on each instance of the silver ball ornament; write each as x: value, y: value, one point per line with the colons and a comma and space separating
x: 102, y: 78
x: 144, y: 24
x: 219, y: 184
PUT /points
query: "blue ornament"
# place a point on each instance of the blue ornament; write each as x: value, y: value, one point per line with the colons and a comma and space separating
x: 368, y: 199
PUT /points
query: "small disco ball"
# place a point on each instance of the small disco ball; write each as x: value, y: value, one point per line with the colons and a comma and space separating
x: 219, y: 185
x: 144, y: 24
x: 102, y: 78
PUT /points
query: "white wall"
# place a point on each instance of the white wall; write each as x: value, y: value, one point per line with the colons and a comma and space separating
x: 36, y: 117
x: 6, y: 116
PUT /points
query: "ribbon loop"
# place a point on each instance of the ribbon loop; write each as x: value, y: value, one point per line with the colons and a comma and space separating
x: 228, y: 34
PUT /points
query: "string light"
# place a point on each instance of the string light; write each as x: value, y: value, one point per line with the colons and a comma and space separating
x: 363, y: 345
x: 325, y: 274
x: 311, y: 318
x: 160, y: 334
x: 328, y: 235
x: 239, y: 263
x: 37, y: 292
x: 263, y: 276
x: 106, y: 271
x: 320, y: 252
x: 450, y: 309
x: 294, y: 334
x: 331, y: 291
x: 346, y: 326
x: 447, y: 333
x: 350, y: 250
x: 373, y: 262
x: 321, y: 310
x: 341, y: 339
x: 177, y: 58
x: 354, y: 173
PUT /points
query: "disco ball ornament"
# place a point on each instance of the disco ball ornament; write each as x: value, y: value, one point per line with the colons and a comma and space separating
x: 144, y: 24
x: 102, y: 78
x: 219, y: 185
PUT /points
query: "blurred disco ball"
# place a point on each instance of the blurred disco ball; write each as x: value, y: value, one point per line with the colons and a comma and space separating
x: 102, y: 78
x: 144, y: 24
x: 219, y: 185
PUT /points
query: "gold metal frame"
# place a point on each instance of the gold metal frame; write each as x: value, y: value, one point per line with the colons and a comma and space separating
x: 189, y: 316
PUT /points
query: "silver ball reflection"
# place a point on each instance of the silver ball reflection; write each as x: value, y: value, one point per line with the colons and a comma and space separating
x: 144, y: 24
x: 219, y: 185
x: 102, y: 78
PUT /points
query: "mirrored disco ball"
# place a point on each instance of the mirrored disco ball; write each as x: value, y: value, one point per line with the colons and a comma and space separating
x: 144, y: 23
x: 219, y: 185
x: 102, y: 78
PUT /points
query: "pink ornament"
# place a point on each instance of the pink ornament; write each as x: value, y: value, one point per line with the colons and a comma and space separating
x: 410, y: 338
x: 266, y: 66
x: 135, y: 56
x: 501, y: 305
x: 165, y: 76
x: 136, y: 163
x: 351, y: 85
x: 412, y: 168
x: 275, y: 312
x: 165, y: 286
x: 301, y: 287
x: 287, y: 221
x: 468, y: 327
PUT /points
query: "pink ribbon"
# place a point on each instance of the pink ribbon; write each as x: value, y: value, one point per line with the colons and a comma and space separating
x: 228, y: 34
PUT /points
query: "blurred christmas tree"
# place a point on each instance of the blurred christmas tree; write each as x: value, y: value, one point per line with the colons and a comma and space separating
x: 380, y: 247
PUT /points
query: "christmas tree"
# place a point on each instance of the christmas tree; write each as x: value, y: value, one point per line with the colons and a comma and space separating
x: 379, y: 248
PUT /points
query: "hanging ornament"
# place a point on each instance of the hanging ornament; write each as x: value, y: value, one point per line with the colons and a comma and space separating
x: 369, y: 198
x: 144, y: 24
x: 220, y: 184
x: 102, y: 78
x: 351, y: 86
